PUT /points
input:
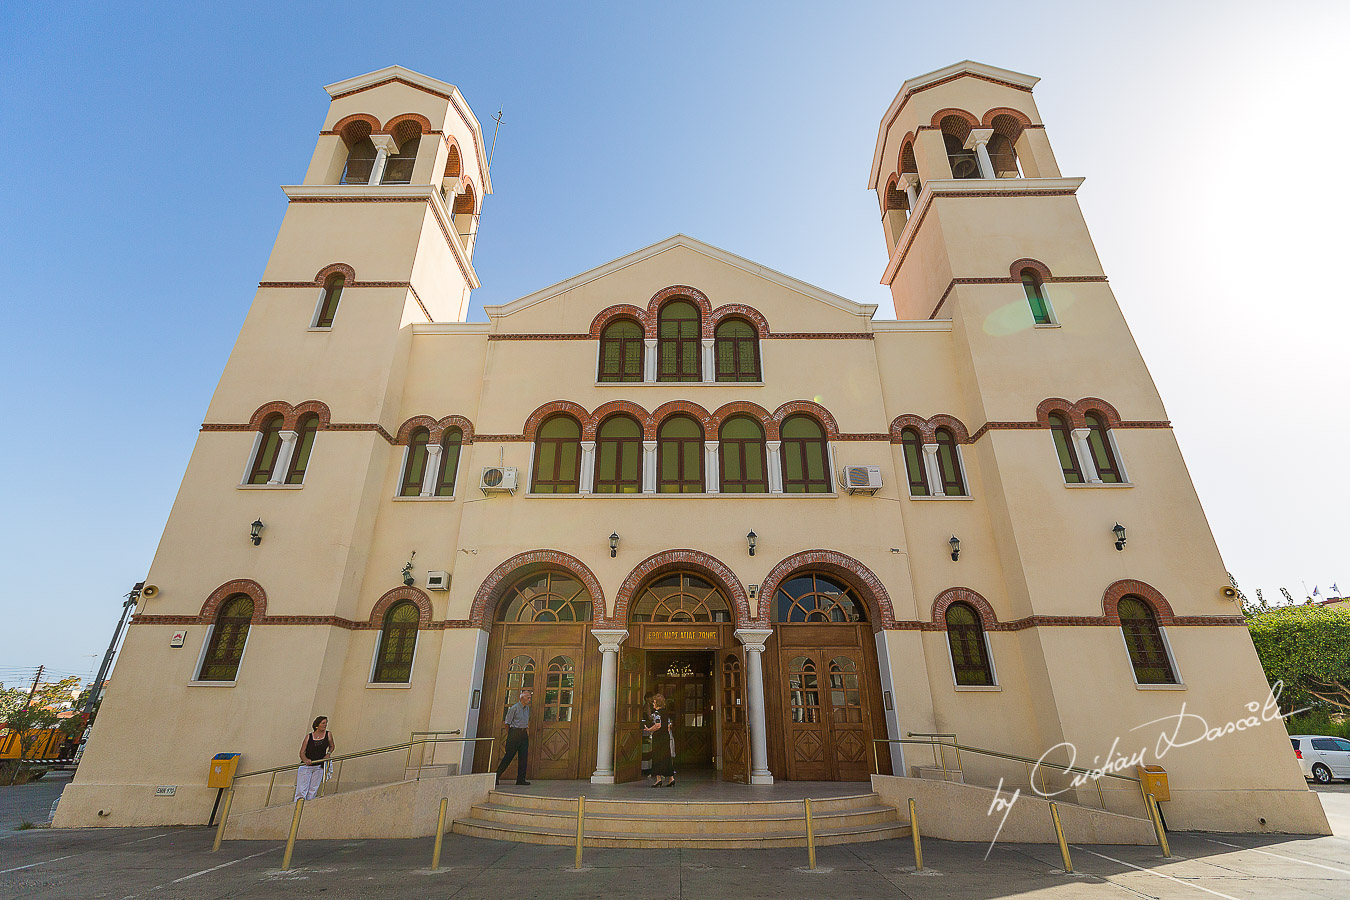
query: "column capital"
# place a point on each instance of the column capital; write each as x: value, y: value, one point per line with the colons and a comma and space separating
x: 384, y: 142
x: 711, y: 446
x: 588, y: 446
x: 773, y: 445
x: 978, y: 136
x: 754, y: 638
x: 649, y: 446
x: 907, y: 180
x: 288, y: 436
x: 609, y: 638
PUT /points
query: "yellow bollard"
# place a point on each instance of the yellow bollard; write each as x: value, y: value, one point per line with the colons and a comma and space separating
x: 1059, y: 833
x: 224, y: 814
x: 810, y: 837
x: 440, y: 833
x: 290, y: 841
x: 581, y: 827
x: 914, y: 830
x: 1157, y: 825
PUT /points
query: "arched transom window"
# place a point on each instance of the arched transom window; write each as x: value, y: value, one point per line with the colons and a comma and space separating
x: 545, y: 597
x: 815, y: 598
x: 1144, y: 640
x: 398, y: 640
x: 229, y: 633
x: 681, y: 597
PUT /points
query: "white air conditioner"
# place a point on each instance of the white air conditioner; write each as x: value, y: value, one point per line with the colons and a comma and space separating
x: 498, y: 478
x: 856, y: 479
x: 438, y: 581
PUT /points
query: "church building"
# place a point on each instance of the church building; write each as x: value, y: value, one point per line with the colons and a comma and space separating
x: 817, y: 532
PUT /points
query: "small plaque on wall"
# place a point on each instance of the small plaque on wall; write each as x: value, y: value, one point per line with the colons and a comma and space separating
x: 685, y: 637
x: 178, y: 638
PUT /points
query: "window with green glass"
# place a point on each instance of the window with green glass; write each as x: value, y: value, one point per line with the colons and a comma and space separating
x: 269, y: 446
x: 1144, y: 640
x: 1035, y: 291
x: 328, y: 302
x: 805, y: 456
x: 678, y: 342
x: 1099, y: 441
x: 912, y: 444
x: 965, y: 638
x: 304, y: 445
x: 621, y: 352
x: 618, y: 456
x: 398, y: 642
x: 1068, y: 458
x: 557, y: 457
x: 949, y: 464
x: 229, y: 634
x: 737, y: 351
x: 415, y: 463
x: 449, y: 465
x: 679, y: 456
x: 742, y: 458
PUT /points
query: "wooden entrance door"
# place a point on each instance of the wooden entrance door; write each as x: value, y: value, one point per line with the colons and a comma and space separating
x: 685, y: 679
x: 554, y: 674
x: 734, y: 716
x: 628, y: 716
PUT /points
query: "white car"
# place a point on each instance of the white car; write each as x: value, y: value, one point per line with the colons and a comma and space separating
x: 1322, y: 757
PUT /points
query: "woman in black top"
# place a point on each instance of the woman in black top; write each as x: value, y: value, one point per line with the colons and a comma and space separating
x: 315, y: 750
x: 659, y: 727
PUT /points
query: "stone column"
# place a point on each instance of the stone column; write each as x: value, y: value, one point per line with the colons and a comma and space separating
x: 930, y: 465
x: 649, y: 359
x: 431, y: 469
x: 709, y: 361
x: 712, y: 475
x: 772, y: 460
x: 753, y: 639
x: 649, y: 467
x: 1084, y: 448
x: 979, y: 141
x: 910, y: 183
x: 609, y: 697
x: 384, y: 145
x: 284, y: 453
x: 587, y: 467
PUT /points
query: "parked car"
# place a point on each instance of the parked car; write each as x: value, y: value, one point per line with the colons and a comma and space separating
x: 1322, y: 757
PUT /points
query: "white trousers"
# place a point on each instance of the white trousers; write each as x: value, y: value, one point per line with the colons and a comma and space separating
x: 307, y: 781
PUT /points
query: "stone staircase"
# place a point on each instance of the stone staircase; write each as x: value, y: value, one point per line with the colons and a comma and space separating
x: 747, y: 824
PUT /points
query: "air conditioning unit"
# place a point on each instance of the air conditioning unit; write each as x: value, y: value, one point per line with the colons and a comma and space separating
x: 859, y: 479
x: 438, y: 581
x: 498, y: 478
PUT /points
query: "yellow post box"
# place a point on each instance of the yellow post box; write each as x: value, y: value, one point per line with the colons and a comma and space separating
x: 1154, y: 780
x: 223, y: 766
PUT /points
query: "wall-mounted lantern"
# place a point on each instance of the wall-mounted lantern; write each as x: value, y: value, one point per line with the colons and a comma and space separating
x: 955, y: 544
x: 255, y: 531
x: 750, y: 542
x: 613, y: 544
x: 1119, y: 531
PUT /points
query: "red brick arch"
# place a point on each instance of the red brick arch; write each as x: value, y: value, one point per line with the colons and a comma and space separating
x: 247, y: 586
x: 290, y: 415
x: 1023, y: 120
x: 575, y: 410
x: 739, y: 311
x: 466, y: 201
x: 969, y: 118
x: 683, y: 292
x: 356, y: 127
x: 343, y: 269
x: 677, y: 407
x: 671, y: 560
x: 620, y: 311
x: 1117, y: 590
x: 492, y: 589
x: 382, y: 605
x: 849, y: 570
x: 963, y: 595
x: 454, y: 167
x: 907, y: 164
x: 952, y: 424
x: 591, y: 427
x: 435, y: 427
x: 1076, y: 413
x: 422, y: 122
x: 1041, y: 269
x: 811, y: 408
x: 747, y: 408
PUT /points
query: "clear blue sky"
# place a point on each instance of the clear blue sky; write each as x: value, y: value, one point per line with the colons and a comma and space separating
x: 140, y: 201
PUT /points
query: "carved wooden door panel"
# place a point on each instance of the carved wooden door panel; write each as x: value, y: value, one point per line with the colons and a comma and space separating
x: 806, y: 728
x: 734, y: 716
x: 846, y: 700
x: 628, y: 717
x: 555, y: 745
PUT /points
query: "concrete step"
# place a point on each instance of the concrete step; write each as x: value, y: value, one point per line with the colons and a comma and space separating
x: 659, y: 807
x: 503, y: 831
x: 636, y: 820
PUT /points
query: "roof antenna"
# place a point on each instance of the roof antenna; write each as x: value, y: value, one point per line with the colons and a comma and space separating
x: 498, y: 119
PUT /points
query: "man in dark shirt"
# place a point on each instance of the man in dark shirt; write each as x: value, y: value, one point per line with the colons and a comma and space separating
x: 517, y: 736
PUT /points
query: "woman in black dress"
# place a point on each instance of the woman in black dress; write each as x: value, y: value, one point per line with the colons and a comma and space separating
x: 659, y: 727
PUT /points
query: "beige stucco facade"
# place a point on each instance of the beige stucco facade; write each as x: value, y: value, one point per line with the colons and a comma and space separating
x: 1037, y: 555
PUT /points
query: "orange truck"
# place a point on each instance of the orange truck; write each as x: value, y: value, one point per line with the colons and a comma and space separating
x: 45, y: 743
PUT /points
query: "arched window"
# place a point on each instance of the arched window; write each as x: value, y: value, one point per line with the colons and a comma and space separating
x: 229, y: 633
x: 398, y: 168
x: 266, y: 450
x: 1068, y: 457
x: 681, y: 597
x: 815, y: 598
x: 912, y: 444
x: 679, y: 456
x: 307, y: 427
x: 963, y: 162
x: 544, y: 598
x: 949, y: 464
x: 328, y: 300
x: 449, y: 465
x: 1036, y: 299
x: 679, y: 347
x: 398, y: 640
x: 806, y: 457
x: 965, y: 636
x: 559, y: 689
x: 618, y: 456
x: 1144, y: 640
x: 1103, y: 457
x: 360, y: 161
x: 743, y: 466
x: 1002, y: 155
x: 557, y: 457
x: 737, y: 345
x: 415, y: 463
x: 621, y: 352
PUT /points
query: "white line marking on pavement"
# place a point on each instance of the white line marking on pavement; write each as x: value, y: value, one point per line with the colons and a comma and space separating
x: 221, y: 866
x: 1159, y: 874
x: 33, y: 865
x: 150, y: 838
x: 1279, y: 856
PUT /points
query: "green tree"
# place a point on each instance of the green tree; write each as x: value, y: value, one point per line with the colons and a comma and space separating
x: 1307, y: 647
x: 25, y: 718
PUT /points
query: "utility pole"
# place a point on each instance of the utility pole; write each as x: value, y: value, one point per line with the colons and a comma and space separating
x: 33, y: 690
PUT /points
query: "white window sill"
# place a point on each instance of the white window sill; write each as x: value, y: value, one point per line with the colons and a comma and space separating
x: 387, y: 685
x: 402, y: 499
x: 215, y: 684
x: 1047, y: 325
x: 605, y: 384
x: 319, y: 328
x: 979, y: 687
x: 704, y: 496
x: 1119, y: 484
x: 1159, y: 687
x: 270, y: 487
x: 944, y: 497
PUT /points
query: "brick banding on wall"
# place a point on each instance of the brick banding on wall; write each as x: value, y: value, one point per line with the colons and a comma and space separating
x: 495, y: 585
x: 831, y: 562
x: 672, y: 560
